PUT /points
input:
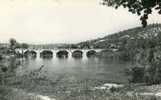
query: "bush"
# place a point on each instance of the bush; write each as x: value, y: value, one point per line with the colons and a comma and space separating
x: 114, y: 89
x: 1, y: 58
x: 150, y: 74
x: 153, y: 74
x: 137, y: 74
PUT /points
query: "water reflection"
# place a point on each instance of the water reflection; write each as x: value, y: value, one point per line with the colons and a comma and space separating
x: 85, y: 68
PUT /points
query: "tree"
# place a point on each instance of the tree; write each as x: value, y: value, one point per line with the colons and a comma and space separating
x: 13, y: 43
x: 140, y: 7
x: 136, y: 74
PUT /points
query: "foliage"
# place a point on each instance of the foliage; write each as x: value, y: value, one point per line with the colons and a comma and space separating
x: 153, y: 72
x: 8, y: 59
x: 137, y: 74
x: 139, y: 45
x: 130, y: 42
x: 149, y: 71
x: 13, y: 43
x: 140, y: 7
x: 132, y: 38
x: 1, y: 57
x: 114, y: 89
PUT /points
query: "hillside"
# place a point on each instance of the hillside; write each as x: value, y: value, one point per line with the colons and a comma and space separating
x: 139, y: 46
x: 119, y: 39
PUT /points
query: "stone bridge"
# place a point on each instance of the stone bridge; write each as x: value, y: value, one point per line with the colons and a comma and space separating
x: 60, y: 53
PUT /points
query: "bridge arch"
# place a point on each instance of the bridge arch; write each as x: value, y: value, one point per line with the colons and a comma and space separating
x: 77, y: 54
x: 30, y: 53
x: 46, y: 54
x: 62, y: 54
x: 91, y: 53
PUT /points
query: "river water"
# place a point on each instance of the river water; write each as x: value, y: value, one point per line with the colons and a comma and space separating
x: 70, y: 76
x: 85, y: 68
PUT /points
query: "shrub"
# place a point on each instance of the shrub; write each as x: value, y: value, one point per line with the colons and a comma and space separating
x: 137, y: 74
x: 1, y: 57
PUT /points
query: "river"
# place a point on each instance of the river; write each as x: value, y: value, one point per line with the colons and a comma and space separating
x: 70, y: 76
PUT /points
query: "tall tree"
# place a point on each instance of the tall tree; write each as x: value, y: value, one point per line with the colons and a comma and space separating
x: 12, y: 43
x: 140, y: 7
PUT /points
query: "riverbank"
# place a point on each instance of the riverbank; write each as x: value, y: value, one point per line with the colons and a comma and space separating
x: 36, y: 85
x: 39, y: 87
x: 137, y: 92
x: 8, y: 93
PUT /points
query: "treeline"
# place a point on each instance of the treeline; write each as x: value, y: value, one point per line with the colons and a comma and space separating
x: 10, y: 47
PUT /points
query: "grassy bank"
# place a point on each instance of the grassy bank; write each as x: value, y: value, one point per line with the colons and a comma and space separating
x: 33, y: 87
x: 7, y: 93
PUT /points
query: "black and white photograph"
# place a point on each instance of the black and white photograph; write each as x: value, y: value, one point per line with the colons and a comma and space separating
x: 80, y: 49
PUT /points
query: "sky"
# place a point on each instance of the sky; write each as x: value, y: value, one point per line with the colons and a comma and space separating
x: 62, y: 21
